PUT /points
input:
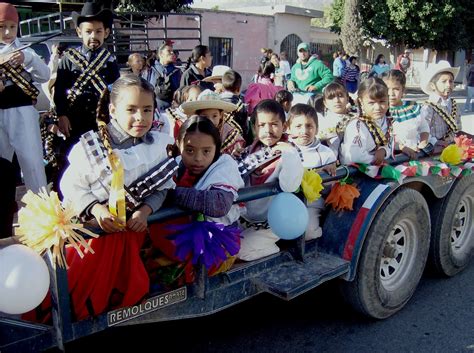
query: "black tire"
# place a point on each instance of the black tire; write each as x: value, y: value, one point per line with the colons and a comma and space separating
x: 393, y: 256
x: 452, y: 236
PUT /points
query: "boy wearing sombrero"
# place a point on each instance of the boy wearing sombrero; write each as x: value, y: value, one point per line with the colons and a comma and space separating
x: 440, y: 110
x: 84, y: 72
x: 220, y: 112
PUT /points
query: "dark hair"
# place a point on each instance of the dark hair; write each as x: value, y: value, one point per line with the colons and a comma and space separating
x: 352, y: 58
x: 378, y: 59
x: 124, y: 81
x: 198, y: 51
x: 268, y: 106
x: 231, y: 80
x: 303, y: 109
x: 196, y: 123
x: 374, y: 87
x: 334, y: 89
x: 283, y: 96
x: 317, y: 102
x: 268, y: 69
x: 395, y: 75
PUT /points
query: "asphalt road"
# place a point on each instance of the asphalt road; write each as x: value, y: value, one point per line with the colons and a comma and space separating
x: 438, y: 318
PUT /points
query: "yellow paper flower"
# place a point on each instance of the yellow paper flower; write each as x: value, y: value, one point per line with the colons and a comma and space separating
x: 45, y: 223
x: 312, y: 185
x: 452, y: 154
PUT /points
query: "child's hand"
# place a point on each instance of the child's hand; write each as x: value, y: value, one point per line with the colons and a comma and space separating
x: 330, y: 169
x: 138, y: 221
x: 379, y: 156
x: 17, y: 59
x: 410, y: 153
x: 106, y: 220
x: 64, y: 125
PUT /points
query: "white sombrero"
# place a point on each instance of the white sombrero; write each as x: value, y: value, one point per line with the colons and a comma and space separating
x: 217, y: 72
x: 207, y: 100
x: 432, y: 71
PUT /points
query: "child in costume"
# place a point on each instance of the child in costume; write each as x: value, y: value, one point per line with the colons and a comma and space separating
x: 207, y: 183
x: 410, y: 131
x: 336, y: 113
x: 210, y: 105
x: 84, y: 73
x: 271, y: 157
x: 303, y: 128
x: 367, y: 138
x: 285, y: 98
x: 19, y: 120
x: 114, y: 275
x: 440, y: 110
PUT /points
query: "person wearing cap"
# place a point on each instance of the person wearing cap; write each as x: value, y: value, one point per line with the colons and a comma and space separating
x: 210, y: 105
x: 308, y: 74
x: 440, y: 110
x: 83, y: 73
x: 19, y: 120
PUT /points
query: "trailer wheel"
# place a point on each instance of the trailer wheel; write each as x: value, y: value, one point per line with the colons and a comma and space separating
x: 393, y: 256
x: 452, y: 236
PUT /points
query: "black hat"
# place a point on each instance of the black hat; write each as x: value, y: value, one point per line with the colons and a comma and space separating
x: 95, y: 10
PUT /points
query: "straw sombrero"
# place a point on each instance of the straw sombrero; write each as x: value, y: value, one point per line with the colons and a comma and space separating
x: 432, y: 71
x: 217, y: 72
x: 207, y: 100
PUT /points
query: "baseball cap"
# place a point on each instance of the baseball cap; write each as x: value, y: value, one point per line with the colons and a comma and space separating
x: 303, y: 46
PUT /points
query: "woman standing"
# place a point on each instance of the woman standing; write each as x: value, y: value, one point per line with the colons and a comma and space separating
x: 198, y: 68
x: 380, y: 66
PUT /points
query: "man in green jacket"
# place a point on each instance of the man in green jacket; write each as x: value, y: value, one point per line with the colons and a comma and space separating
x: 308, y: 74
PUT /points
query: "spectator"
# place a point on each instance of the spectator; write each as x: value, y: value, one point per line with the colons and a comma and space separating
x: 380, y: 66
x: 403, y: 61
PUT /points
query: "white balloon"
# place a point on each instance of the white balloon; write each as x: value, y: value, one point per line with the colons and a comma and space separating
x: 24, y: 279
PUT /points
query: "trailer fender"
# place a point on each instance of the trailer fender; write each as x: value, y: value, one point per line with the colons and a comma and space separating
x: 344, y: 232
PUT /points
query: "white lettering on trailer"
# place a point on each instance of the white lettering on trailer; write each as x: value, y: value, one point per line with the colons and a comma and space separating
x: 374, y: 195
x: 160, y: 301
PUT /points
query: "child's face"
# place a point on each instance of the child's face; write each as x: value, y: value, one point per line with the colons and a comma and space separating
x: 8, y: 30
x: 214, y: 115
x: 269, y: 128
x: 303, y: 130
x: 444, y: 85
x: 395, y: 92
x: 197, y: 151
x: 337, y: 103
x: 92, y: 34
x: 374, y: 108
x: 136, y: 62
x: 134, y: 111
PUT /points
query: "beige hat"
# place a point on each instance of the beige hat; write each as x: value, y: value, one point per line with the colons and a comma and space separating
x: 432, y: 71
x: 207, y: 100
x: 217, y: 72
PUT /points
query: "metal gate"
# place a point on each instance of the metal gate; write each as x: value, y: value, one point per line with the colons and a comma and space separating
x: 289, y: 45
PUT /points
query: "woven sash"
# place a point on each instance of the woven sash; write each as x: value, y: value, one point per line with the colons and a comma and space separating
x: 450, y: 120
x: 15, y: 75
x: 89, y: 72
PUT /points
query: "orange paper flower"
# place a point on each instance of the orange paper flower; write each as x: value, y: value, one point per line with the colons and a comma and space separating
x: 342, y: 196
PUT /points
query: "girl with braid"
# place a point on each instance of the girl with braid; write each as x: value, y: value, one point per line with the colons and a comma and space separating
x: 114, y: 275
x: 367, y: 138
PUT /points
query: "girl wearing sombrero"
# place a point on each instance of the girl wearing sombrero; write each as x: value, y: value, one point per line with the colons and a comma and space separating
x: 440, y: 110
x: 220, y: 113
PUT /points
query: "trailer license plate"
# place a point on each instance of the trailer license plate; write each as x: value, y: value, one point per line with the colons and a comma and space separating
x: 160, y: 301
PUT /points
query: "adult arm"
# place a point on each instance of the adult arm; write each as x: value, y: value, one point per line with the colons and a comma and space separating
x: 326, y: 77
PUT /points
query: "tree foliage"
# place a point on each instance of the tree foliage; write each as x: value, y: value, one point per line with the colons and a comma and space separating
x: 351, y: 30
x: 336, y: 14
x: 437, y: 24
x: 151, y: 5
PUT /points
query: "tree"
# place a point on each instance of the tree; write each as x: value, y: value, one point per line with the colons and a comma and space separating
x: 437, y: 24
x: 151, y: 5
x: 351, y: 31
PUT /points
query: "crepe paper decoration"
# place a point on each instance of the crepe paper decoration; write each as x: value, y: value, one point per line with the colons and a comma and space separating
x: 45, y: 223
x: 452, y: 155
x: 342, y: 196
x: 204, y: 242
x: 312, y: 185
x: 389, y: 172
x: 466, y: 145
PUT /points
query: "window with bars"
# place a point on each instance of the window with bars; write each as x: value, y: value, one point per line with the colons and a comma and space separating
x: 221, y: 49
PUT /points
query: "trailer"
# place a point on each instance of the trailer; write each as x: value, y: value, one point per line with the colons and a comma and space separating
x: 377, y: 253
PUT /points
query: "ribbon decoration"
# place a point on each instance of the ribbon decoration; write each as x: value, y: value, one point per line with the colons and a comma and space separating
x: 117, y: 191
